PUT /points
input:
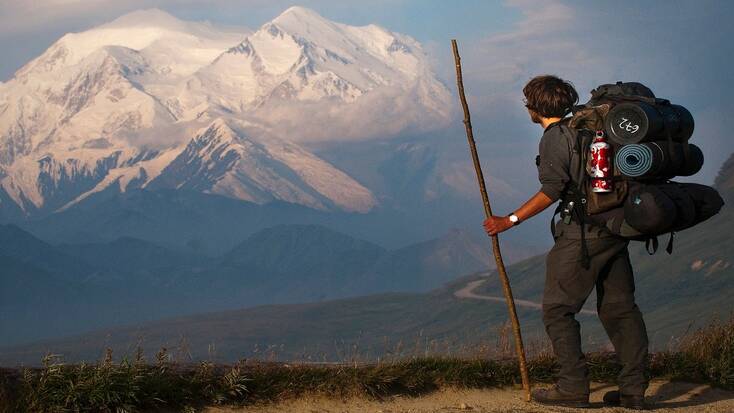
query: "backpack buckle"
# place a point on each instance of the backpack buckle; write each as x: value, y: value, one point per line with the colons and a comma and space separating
x: 567, y: 213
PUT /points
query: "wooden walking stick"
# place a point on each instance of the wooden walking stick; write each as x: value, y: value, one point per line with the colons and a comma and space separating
x: 495, y: 241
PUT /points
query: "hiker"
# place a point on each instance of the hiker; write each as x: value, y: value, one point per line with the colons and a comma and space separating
x: 571, y: 271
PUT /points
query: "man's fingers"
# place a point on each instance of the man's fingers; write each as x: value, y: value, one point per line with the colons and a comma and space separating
x: 493, y: 225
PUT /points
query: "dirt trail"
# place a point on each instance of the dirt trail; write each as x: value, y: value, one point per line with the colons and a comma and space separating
x: 664, y: 396
x: 468, y: 292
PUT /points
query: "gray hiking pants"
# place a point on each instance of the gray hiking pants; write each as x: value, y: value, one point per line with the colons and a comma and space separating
x: 568, y: 285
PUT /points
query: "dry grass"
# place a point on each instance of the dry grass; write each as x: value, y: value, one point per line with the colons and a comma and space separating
x: 138, y: 385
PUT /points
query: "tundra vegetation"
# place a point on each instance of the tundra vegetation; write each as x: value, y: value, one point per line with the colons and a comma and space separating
x: 136, y: 384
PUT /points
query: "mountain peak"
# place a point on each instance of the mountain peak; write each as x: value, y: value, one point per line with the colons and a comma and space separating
x: 178, y: 47
x: 146, y: 17
x: 222, y: 125
x: 308, y: 24
x: 298, y: 13
x: 218, y: 130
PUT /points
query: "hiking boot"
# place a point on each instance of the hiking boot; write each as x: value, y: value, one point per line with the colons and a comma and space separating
x: 557, y: 397
x: 614, y: 398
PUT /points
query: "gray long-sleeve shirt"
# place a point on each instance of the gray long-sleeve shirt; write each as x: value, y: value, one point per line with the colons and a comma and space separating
x: 554, y: 159
x: 558, y: 167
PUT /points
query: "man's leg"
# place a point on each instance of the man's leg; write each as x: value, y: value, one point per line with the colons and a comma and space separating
x: 623, y: 323
x: 564, y: 332
x: 567, y: 286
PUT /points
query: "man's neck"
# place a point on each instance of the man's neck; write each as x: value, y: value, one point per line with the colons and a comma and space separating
x: 545, y: 122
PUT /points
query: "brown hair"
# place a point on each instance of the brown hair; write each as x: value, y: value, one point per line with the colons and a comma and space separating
x: 550, y: 96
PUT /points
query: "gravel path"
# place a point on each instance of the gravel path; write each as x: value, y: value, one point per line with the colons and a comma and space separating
x: 665, y: 396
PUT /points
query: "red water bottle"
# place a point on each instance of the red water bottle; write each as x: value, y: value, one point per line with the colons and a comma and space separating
x: 600, y: 163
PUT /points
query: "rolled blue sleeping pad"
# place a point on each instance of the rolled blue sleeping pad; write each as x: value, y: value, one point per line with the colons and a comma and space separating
x: 656, y: 159
x: 634, y: 160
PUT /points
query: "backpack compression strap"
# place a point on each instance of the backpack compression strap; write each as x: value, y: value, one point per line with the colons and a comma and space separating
x: 669, y: 247
x: 653, y: 242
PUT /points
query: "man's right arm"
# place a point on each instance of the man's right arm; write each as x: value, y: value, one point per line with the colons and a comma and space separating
x: 536, y: 204
x: 553, y: 173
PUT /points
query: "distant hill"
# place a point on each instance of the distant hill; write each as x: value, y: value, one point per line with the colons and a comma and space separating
x: 436, y: 261
x: 24, y: 247
x: 24, y: 289
x: 185, y: 220
x: 94, y: 285
x: 301, y: 257
x: 125, y: 255
x: 329, y: 330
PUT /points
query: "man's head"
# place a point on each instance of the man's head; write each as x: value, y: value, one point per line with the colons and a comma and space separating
x: 549, y: 97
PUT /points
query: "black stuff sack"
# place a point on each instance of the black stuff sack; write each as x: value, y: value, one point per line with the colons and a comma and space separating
x: 707, y: 200
x: 655, y: 209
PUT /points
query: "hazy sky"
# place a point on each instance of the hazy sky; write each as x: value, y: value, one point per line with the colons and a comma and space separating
x: 681, y: 49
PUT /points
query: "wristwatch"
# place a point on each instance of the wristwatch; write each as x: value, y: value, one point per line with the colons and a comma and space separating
x: 514, y: 219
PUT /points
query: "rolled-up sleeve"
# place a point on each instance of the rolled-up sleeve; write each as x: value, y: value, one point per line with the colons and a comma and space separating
x: 553, y: 164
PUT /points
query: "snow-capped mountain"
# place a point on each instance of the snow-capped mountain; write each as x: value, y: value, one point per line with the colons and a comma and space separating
x: 115, y: 107
x: 223, y: 161
x: 303, y: 57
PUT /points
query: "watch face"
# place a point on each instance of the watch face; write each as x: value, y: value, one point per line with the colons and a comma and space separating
x: 513, y: 218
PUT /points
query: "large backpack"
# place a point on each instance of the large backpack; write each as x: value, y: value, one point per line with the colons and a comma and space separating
x: 650, y: 135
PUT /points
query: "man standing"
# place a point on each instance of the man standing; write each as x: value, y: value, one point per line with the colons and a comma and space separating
x: 571, y: 272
